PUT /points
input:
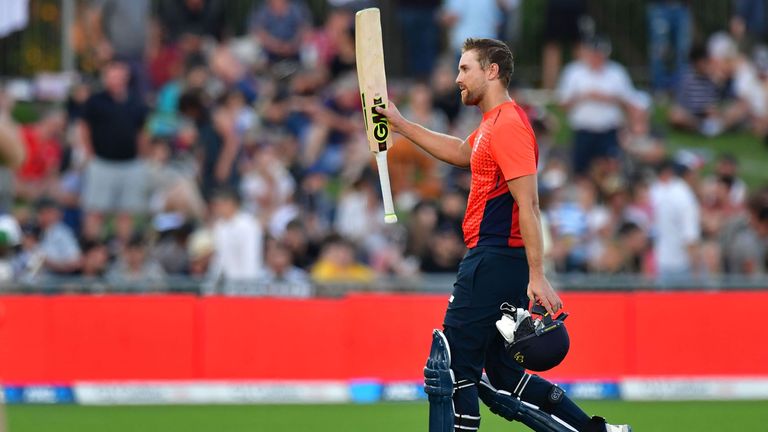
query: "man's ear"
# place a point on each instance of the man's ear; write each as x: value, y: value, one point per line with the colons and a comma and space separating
x: 492, y: 71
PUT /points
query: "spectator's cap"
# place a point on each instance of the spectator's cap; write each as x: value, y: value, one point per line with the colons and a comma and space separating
x: 163, y: 222
x: 598, y: 43
x: 45, y: 203
x: 200, y: 244
x: 721, y: 46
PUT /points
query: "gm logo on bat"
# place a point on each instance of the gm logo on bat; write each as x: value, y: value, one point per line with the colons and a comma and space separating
x: 380, y: 123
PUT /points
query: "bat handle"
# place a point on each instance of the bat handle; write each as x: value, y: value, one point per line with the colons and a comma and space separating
x: 386, y: 190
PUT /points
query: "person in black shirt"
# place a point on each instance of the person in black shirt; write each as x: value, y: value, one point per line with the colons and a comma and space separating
x: 115, y: 180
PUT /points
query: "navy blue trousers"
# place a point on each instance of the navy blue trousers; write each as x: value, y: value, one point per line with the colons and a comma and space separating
x: 487, y: 277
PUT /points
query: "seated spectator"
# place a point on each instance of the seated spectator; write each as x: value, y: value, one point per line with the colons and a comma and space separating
x: 337, y: 264
x: 446, y: 250
x: 627, y: 253
x: 134, y: 269
x: 170, y: 248
x: 28, y: 260
x: 200, y: 250
x: 744, y: 239
x: 698, y: 99
x: 280, y: 26
x: 304, y: 250
x: 726, y: 171
x: 58, y: 244
x: 95, y: 259
x: 281, y: 277
x: 9, y: 237
x: 421, y: 225
x: 750, y: 105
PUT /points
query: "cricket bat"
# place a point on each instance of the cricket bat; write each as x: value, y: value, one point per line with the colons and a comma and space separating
x: 372, y: 79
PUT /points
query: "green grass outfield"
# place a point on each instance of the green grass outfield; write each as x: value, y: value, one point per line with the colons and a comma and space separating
x: 385, y: 417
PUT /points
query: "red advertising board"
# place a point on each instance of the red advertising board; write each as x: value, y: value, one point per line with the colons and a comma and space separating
x: 382, y: 336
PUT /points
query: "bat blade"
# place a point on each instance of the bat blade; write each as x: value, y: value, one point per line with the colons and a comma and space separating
x: 372, y: 78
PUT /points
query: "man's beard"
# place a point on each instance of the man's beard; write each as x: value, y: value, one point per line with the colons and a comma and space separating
x: 470, y: 98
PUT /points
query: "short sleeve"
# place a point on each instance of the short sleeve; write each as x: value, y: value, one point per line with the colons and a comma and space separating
x: 471, y: 139
x: 514, y: 150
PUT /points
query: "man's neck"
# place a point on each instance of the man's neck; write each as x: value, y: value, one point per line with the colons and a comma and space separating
x: 493, y: 99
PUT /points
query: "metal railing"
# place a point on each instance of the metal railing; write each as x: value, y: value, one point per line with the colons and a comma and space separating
x: 432, y: 283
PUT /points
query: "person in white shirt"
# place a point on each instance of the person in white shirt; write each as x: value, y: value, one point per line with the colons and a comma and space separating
x: 595, y: 92
x: 676, y: 225
x: 238, y: 240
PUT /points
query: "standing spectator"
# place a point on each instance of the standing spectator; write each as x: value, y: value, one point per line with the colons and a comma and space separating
x: 115, y: 178
x: 280, y: 27
x: 676, y: 225
x: 470, y: 19
x: 120, y: 30
x: 420, y: 33
x: 238, y: 240
x: 281, y: 277
x: 199, y: 18
x: 218, y: 141
x: 563, y: 26
x: 135, y: 267
x: 58, y: 244
x: 12, y: 152
x: 43, y: 148
x: 669, y: 32
x: 748, y: 22
x: 595, y: 91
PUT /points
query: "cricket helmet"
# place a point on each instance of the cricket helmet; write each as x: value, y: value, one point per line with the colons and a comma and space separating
x: 541, y: 342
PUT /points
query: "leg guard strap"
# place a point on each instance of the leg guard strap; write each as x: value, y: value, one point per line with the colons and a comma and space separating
x: 464, y: 423
x: 512, y: 408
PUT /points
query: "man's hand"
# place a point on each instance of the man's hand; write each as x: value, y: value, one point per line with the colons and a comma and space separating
x: 396, y: 120
x: 539, y: 290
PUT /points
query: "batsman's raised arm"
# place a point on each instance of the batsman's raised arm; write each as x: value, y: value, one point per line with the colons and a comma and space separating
x: 447, y: 148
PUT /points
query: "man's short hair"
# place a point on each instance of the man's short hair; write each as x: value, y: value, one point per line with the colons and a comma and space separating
x: 493, y: 51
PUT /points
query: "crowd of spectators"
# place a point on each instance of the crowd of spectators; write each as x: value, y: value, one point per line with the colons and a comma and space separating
x: 239, y: 159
